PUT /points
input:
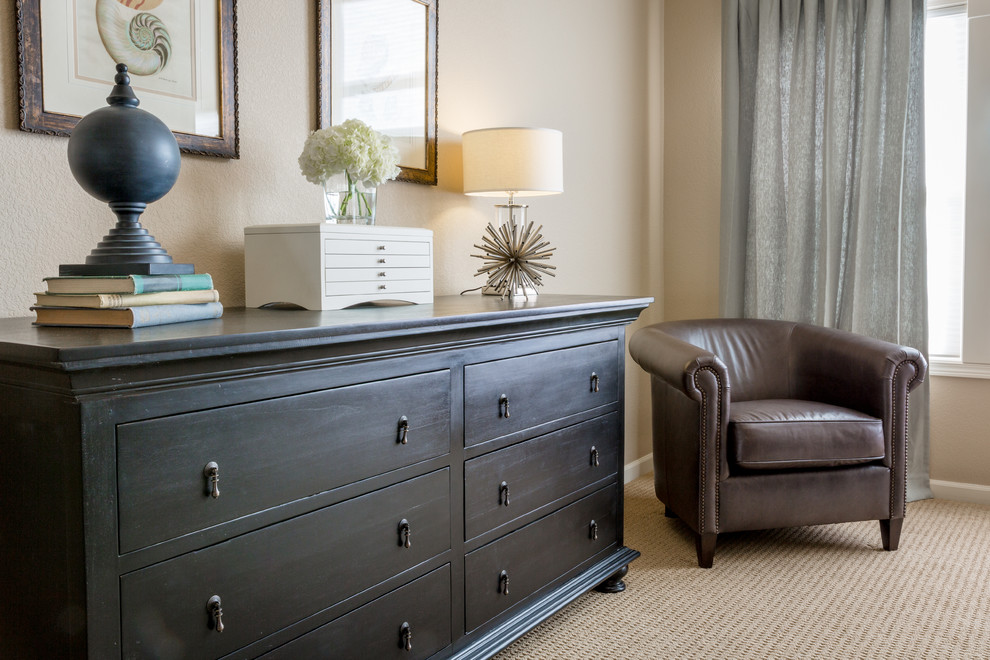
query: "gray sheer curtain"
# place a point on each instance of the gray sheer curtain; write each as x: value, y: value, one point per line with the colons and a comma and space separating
x: 823, y: 190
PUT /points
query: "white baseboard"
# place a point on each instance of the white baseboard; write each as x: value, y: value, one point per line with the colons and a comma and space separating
x: 638, y: 468
x: 959, y: 492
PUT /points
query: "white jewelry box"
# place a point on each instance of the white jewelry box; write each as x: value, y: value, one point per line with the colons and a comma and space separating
x: 325, y: 266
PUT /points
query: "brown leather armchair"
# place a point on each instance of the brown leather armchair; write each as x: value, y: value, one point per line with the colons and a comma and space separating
x: 760, y: 424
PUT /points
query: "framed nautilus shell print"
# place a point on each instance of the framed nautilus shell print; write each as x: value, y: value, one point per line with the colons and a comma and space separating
x: 181, y: 56
x: 378, y: 63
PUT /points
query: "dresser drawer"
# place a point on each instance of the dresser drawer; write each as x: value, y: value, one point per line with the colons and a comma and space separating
x: 537, y: 554
x: 273, y: 577
x: 335, y: 261
x: 379, y: 630
x: 386, y: 274
x: 506, y: 396
x: 272, y: 452
x: 379, y: 246
x: 509, y: 483
x: 381, y: 286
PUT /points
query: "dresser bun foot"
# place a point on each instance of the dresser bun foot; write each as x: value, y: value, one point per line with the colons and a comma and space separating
x: 614, y: 584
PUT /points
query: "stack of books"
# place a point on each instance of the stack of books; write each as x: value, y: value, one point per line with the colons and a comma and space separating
x: 127, y: 301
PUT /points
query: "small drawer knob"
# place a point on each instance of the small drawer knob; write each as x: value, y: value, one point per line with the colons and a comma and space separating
x: 593, y: 530
x: 405, y: 534
x: 212, y: 474
x: 405, y: 636
x: 381, y: 287
x: 403, y: 430
x: 594, y: 457
x: 216, y: 613
x: 503, y: 494
x: 594, y: 382
x: 503, y: 406
x: 503, y: 583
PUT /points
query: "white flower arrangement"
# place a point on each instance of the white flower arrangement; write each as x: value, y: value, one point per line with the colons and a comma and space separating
x: 352, y: 148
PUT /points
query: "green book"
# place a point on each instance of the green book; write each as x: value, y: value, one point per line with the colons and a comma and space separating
x: 129, y: 283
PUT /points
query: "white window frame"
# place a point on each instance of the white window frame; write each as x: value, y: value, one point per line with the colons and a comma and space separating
x: 975, y: 360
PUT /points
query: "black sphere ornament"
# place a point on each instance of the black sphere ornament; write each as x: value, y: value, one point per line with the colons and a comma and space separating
x: 128, y: 158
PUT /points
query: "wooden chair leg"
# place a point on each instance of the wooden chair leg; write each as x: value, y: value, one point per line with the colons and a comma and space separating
x: 704, y: 544
x: 890, y: 532
x: 668, y: 512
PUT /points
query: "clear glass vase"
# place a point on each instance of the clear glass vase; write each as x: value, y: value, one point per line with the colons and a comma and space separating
x: 348, y: 202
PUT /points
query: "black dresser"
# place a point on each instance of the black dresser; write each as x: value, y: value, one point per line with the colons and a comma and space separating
x: 388, y: 482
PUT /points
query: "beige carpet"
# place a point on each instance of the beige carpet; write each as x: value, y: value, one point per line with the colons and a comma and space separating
x: 813, y: 592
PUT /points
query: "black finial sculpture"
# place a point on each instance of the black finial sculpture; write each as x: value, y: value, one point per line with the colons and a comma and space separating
x: 128, y: 158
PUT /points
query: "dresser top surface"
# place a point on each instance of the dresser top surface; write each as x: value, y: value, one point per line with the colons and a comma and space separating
x: 265, y: 329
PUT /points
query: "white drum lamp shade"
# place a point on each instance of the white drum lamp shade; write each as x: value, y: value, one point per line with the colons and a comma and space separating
x: 520, y: 162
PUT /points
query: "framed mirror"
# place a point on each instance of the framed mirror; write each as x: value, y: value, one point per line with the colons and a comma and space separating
x: 378, y: 63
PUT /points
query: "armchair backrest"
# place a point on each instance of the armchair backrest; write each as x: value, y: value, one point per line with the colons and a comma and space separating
x: 756, y: 352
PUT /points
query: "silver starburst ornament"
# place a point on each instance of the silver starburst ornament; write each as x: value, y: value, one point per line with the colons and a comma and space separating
x: 515, y: 259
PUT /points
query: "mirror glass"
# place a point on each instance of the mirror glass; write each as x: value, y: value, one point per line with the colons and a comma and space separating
x: 380, y: 66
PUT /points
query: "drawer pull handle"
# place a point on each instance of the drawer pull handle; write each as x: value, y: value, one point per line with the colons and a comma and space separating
x: 381, y: 287
x: 403, y: 430
x: 381, y: 261
x: 503, y: 406
x: 593, y: 528
x: 503, y: 494
x: 405, y: 534
x: 212, y: 474
x: 405, y: 636
x: 594, y: 382
x: 381, y: 247
x: 594, y: 457
x: 382, y: 274
x: 216, y: 613
x: 503, y: 583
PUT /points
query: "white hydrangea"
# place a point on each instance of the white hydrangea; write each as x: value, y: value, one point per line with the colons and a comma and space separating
x: 352, y: 148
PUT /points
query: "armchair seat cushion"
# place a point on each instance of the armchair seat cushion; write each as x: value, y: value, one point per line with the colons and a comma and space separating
x: 785, y: 434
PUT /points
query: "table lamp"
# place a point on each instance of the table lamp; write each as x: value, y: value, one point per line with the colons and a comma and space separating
x: 513, y: 162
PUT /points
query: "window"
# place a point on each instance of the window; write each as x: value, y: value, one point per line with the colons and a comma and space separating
x: 945, y: 154
x: 957, y: 128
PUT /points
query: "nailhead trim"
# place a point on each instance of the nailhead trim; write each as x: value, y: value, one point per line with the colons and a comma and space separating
x: 907, y: 418
x: 704, y: 446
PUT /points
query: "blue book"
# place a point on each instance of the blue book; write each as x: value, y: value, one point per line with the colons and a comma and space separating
x: 126, y: 317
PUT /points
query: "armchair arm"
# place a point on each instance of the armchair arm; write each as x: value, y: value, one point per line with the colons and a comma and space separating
x: 676, y: 362
x: 690, y: 389
x: 864, y: 374
x: 853, y: 370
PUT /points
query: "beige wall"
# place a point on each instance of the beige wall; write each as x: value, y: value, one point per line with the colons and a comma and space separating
x: 692, y: 157
x: 960, y: 449
x: 574, y: 65
x: 960, y: 440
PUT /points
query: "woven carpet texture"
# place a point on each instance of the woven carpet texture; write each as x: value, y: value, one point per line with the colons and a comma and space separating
x: 826, y: 591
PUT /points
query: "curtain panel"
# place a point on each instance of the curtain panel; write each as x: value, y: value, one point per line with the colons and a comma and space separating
x: 823, y: 189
